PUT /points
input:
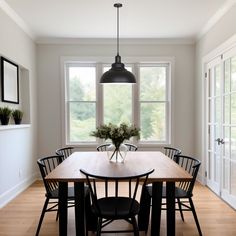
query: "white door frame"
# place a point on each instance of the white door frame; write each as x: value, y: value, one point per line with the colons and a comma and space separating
x: 224, y: 47
x: 223, y: 50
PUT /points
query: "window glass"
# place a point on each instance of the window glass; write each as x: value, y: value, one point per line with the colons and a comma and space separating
x: 153, y: 121
x: 233, y: 74
x: 117, y: 100
x: 82, y: 84
x: 227, y: 76
x: 233, y: 109
x: 82, y: 121
x: 153, y: 84
x: 81, y: 103
x: 217, y: 80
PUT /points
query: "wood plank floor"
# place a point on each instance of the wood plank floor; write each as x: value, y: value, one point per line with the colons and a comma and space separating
x: 20, y: 217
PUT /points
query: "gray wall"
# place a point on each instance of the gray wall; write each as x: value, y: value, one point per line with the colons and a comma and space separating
x: 49, y: 85
x: 18, y: 146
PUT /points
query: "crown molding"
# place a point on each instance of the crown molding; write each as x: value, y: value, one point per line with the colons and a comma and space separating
x: 215, y: 18
x: 17, y: 19
x: 109, y: 41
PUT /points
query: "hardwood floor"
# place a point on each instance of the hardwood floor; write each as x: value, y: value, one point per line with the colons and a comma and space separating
x: 20, y: 217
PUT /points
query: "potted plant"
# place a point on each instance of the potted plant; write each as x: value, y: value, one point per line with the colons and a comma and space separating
x: 17, y: 116
x: 117, y: 134
x: 5, y: 114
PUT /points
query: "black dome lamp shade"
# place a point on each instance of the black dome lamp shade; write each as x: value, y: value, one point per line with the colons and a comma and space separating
x: 118, y: 73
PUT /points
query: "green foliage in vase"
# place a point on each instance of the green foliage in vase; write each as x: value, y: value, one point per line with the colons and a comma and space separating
x: 117, y: 134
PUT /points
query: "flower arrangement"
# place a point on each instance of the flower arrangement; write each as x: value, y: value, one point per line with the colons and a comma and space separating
x: 117, y: 134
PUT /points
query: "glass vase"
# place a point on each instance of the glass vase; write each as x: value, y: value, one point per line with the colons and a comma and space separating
x: 117, y: 155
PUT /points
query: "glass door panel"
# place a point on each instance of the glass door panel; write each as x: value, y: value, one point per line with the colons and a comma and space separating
x: 221, y: 123
x: 214, y: 118
x: 232, y: 179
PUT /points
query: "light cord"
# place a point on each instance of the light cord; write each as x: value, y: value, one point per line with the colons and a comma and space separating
x: 118, y: 31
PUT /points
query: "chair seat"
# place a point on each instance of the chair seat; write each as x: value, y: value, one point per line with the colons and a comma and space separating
x: 179, y: 193
x: 116, y: 208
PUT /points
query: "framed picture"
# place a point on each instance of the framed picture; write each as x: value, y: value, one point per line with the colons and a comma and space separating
x: 10, y: 81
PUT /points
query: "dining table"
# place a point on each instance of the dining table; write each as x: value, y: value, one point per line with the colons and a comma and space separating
x: 165, y: 171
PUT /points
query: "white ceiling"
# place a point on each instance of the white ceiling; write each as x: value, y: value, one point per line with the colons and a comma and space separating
x: 187, y: 19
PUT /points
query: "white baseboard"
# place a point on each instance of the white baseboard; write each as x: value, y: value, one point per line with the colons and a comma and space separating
x: 10, y: 194
x: 201, y: 179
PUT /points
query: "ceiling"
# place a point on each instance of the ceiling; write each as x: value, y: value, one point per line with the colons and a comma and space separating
x: 182, y: 19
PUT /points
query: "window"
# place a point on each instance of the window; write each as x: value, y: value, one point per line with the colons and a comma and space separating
x: 81, y: 102
x: 117, y: 100
x: 153, y: 102
x: 145, y: 104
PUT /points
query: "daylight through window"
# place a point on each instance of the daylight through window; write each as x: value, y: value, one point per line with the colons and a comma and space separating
x: 145, y: 104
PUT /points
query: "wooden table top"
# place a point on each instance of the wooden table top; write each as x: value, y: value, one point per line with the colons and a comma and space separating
x: 135, y: 163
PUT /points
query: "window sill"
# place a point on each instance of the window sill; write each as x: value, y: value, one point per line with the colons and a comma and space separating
x: 7, y: 127
x: 141, y: 146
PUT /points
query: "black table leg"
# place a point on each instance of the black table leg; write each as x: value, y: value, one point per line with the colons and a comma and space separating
x: 63, y: 193
x: 156, y: 208
x: 170, y: 201
x: 144, y: 211
x: 79, y: 208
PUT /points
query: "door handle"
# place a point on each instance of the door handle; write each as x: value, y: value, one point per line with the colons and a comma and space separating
x: 220, y: 141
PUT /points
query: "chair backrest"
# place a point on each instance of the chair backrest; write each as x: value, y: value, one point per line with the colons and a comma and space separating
x: 46, y: 165
x: 103, y: 147
x: 171, y: 152
x: 65, y: 152
x: 114, y: 187
x: 191, y: 165
x: 131, y: 147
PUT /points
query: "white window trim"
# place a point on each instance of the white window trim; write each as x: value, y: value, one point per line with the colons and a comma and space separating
x: 135, y: 92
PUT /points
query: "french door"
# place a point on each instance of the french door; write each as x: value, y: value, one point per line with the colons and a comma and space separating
x: 221, y: 126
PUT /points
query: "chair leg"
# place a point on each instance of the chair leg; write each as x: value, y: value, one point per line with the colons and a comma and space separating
x: 135, y: 226
x: 180, y: 209
x: 42, y: 216
x: 195, y: 216
x: 57, y: 215
x: 99, y: 226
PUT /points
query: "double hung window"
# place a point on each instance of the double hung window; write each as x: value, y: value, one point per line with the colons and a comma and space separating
x: 88, y: 103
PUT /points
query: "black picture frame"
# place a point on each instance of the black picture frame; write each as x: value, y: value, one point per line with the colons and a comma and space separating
x: 9, y: 81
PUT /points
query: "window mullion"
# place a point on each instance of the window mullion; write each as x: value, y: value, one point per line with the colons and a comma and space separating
x: 135, y: 99
x: 99, y: 95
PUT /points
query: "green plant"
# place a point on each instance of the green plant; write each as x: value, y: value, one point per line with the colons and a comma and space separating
x: 5, y: 113
x: 17, y: 114
x: 117, y: 134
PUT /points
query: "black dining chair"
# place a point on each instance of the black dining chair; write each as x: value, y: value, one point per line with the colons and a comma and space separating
x: 103, y: 147
x: 131, y: 147
x: 171, y: 152
x: 65, y: 152
x: 184, y: 190
x: 46, y: 165
x: 113, y: 205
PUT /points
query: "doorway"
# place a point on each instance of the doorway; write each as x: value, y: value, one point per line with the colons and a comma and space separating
x: 220, y: 103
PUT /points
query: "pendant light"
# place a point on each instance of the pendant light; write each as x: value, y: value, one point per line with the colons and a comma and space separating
x: 117, y: 73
